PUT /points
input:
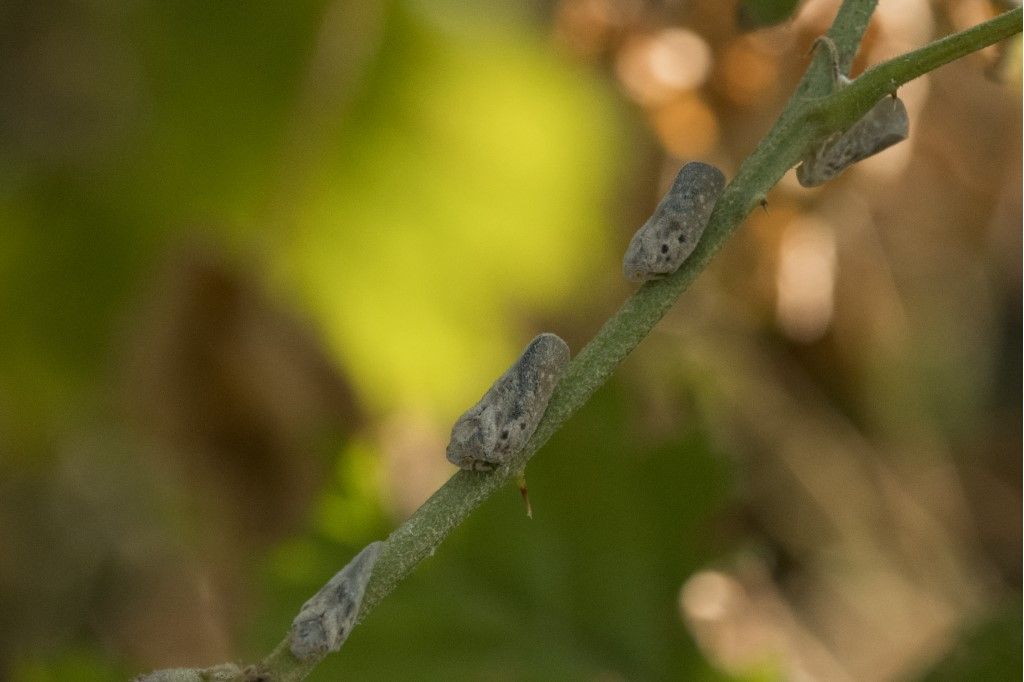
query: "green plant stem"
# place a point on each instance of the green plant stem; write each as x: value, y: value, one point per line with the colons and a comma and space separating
x: 848, y: 104
x: 846, y: 32
x: 813, y: 109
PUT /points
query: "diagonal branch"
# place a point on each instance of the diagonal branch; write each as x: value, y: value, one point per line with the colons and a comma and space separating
x: 853, y: 101
x: 810, y: 111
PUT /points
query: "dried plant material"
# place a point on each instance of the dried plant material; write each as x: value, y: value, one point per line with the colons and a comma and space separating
x: 669, y: 236
x: 326, y: 620
x: 498, y: 426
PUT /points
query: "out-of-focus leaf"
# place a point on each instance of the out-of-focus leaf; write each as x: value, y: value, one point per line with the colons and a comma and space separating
x: 992, y: 652
x: 467, y: 183
x: 754, y: 14
x: 81, y: 665
x: 195, y: 99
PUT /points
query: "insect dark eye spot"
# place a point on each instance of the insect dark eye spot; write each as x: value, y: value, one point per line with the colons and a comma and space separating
x: 522, y: 426
x: 664, y: 248
x: 504, y: 434
x: 682, y: 238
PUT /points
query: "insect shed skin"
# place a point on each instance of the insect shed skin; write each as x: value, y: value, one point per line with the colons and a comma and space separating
x: 328, y: 617
x: 669, y: 236
x: 501, y: 423
x: 883, y: 126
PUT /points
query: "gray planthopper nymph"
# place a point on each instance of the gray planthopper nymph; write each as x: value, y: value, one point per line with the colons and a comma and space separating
x: 883, y: 126
x: 498, y: 426
x: 886, y: 124
x: 669, y: 236
x: 326, y: 620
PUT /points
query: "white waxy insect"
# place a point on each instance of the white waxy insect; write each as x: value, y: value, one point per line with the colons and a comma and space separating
x: 498, y: 426
x: 669, y: 236
x: 326, y: 620
x: 886, y: 124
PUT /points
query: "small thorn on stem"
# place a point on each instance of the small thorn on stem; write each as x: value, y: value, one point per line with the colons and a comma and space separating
x: 525, y: 494
x: 833, y: 52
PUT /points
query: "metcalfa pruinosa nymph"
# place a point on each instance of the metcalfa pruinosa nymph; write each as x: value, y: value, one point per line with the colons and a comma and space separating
x: 669, y: 236
x: 886, y: 124
x: 326, y: 620
x: 498, y: 426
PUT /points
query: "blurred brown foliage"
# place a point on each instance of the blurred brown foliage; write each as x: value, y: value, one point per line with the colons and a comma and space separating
x: 171, y: 423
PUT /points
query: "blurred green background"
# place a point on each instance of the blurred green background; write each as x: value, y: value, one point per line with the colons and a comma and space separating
x: 256, y: 258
